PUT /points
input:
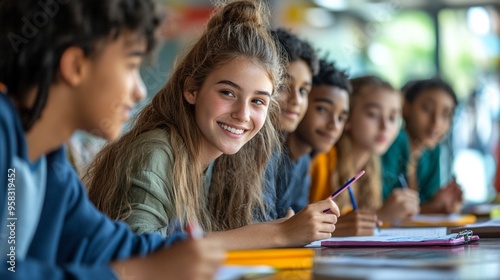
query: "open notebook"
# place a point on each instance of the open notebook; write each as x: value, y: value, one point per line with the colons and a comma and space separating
x: 415, y: 231
x: 453, y: 239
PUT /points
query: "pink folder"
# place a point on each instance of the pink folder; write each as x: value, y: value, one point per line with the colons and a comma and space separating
x: 454, y: 239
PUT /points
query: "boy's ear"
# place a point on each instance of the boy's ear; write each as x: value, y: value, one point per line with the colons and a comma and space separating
x: 73, y: 66
x: 189, y: 94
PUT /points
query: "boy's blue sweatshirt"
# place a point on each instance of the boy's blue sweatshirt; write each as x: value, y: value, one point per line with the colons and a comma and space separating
x: 72, y: 240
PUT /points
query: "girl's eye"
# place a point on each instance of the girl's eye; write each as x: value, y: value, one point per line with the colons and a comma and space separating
x: 227, y: 92
x: 134, y: 63
x: 259, y: 102
x: 427, y: 108
x: 371, y: 114
x: 321, y: 109
x: 303, y: 91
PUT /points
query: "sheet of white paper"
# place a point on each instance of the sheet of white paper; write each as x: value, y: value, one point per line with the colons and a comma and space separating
x: 392, y: 238
x: 315, y: 244
x: 425, y: 231
x: 234, y: 272
x: 401, y: 233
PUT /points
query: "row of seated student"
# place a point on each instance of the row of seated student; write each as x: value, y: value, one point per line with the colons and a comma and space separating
x: 215, y: 169
x: 402, y: 164
x: 147, y: 192
x: 182, y: 160
x: 226, y: 144
x: 159, y: 181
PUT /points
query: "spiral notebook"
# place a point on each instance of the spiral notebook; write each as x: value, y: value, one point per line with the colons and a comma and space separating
x: 461, y: 238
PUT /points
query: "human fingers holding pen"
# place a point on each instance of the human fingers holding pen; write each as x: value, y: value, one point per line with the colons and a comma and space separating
x: 446, y: 200
x: 401, y: 204
x: 202, y: 256
x: 356, y: 223
x: 311, y: 223
x: 457, y: 194
x: 190, y: 259
x: 453, y: 201
x: 206, y: 254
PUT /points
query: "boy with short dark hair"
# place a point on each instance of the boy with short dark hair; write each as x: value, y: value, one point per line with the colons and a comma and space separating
x: 320, y: 128
x: 69, y: 65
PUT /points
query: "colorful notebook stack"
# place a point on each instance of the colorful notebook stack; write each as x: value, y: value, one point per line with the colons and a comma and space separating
x: 296, y: 258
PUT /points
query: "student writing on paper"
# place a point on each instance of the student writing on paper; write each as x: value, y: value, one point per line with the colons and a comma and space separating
x: 80, y: 70
x: 372, y: 126
x: 428, y: 112
x: 219, y: 102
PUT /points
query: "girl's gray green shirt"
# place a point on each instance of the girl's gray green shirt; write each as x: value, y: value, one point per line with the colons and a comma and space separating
x: 151, y: 193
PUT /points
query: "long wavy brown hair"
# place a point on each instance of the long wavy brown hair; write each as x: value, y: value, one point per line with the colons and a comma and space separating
x: 236, y: 29
x: 368, y: 191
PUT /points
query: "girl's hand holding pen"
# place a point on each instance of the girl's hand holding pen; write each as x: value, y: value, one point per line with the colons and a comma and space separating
x: 447, y: 200
x: 311, y: 224
x: 200, y: 257
x: 317, y: 220
x: 401, y: 204
x: 347, y: 185
x: 356, y: 223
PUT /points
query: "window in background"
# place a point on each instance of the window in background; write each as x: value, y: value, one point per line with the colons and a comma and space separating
x: 378, y: 39
x: 470, y: 48
x: 404, y: 49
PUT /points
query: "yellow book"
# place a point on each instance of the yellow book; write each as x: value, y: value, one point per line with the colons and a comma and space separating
x: 296, y: 258
x: 436, y: 220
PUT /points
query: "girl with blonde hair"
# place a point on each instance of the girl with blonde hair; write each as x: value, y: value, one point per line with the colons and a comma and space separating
x: 198, y: 151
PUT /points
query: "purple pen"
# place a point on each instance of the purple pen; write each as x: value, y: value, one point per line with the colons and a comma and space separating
x: 345, y: 186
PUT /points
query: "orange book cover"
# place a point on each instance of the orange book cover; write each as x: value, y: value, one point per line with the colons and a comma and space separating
x: 294, y: 258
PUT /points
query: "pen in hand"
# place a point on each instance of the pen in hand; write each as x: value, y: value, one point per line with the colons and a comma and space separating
x: 345, y: 186
x: 353, y: 199
x: 355, y: 207
x: 402, y: 181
